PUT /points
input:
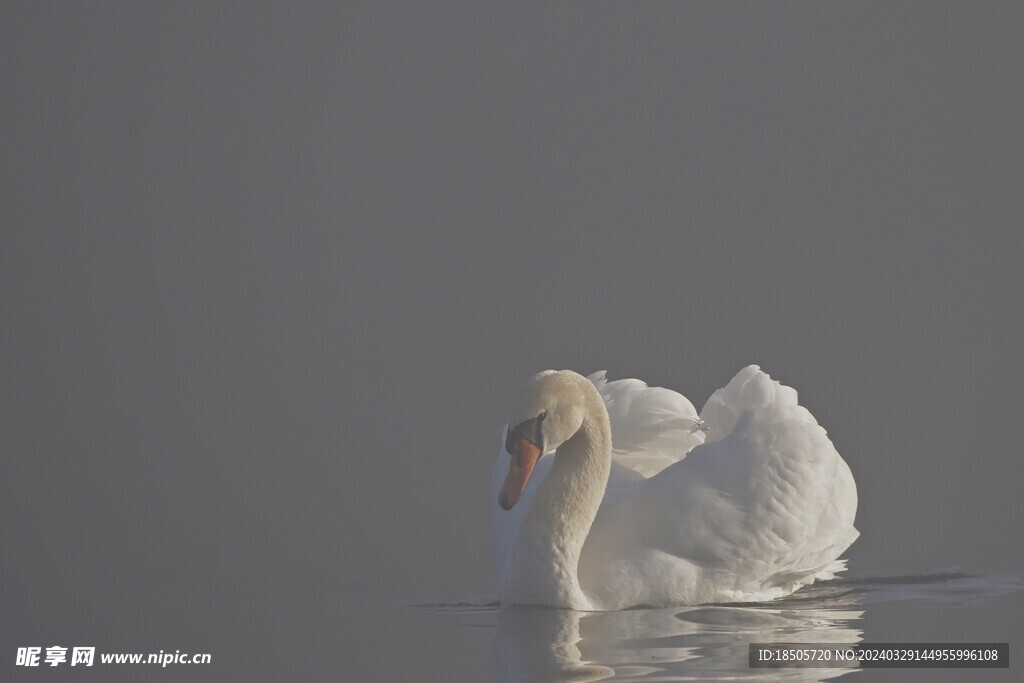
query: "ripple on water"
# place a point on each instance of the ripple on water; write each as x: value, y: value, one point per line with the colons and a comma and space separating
x: 707, y: 641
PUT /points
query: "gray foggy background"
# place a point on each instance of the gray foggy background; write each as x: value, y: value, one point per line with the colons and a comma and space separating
x: 272, y: 274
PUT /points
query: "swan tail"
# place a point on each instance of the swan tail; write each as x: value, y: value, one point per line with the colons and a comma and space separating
x: 829, y: 572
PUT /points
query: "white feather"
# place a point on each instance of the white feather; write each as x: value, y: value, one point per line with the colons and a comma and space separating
x: 765, y: 506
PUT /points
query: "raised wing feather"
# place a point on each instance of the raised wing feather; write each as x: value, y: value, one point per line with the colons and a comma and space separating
x: 765, y: 507
x: 652, y: 427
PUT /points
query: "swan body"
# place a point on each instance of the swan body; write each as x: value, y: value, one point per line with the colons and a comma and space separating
x: 620, y: 495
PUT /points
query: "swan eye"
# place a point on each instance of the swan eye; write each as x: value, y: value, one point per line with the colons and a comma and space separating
x: 542, y: 415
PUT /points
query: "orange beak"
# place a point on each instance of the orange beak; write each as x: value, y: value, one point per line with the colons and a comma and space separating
x: 520, y: 467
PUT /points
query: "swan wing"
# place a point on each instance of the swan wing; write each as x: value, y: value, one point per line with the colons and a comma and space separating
x: 767, y: 505
x: 652, y: 427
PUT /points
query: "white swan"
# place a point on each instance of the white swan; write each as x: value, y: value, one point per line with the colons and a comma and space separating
x: 640, y: 501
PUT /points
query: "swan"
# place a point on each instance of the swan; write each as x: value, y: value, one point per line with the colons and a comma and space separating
x: 610, y: 495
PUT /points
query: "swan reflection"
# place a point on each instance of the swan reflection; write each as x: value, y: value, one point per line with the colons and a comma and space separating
x: 709, y: 642
x: 542, y: 644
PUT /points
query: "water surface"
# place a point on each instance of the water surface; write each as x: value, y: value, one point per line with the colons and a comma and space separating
x: 710, y: 642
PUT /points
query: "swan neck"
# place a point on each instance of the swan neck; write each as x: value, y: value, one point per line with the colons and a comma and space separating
x: 559, y: 520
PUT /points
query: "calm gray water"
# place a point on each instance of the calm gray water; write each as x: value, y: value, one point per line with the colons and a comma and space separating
x: 710, y: 642
x: 317, y: 629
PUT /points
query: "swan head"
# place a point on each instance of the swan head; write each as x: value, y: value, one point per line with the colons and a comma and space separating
x: 550, y: 412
